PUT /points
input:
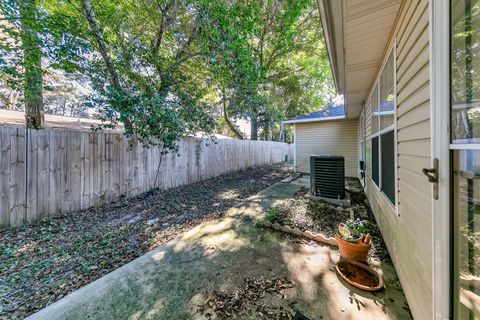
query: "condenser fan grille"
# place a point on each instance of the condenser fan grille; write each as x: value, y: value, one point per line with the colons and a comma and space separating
x: 327, y: 176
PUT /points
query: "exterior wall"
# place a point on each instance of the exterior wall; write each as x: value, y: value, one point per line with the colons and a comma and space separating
x: 327, y: 137
x: 408, y: 235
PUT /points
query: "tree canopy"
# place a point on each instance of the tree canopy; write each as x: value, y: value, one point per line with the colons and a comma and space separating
x: 165, y: 68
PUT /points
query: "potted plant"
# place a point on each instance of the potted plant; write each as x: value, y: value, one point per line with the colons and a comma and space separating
x: 353, y: 239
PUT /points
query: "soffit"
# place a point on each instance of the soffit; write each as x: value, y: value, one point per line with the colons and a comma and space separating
x: 367, y: 26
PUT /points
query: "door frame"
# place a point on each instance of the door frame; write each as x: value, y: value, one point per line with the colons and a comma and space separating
x: 440, y: 149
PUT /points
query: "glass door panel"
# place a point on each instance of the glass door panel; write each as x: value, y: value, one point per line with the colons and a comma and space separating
x: 465, y: 71
x: 465, y: 154
x: 466, y: 209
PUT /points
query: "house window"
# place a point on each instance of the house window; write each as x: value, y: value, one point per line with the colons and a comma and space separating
x: 375, y: 158
x: 368, y: 142
x: 388, y: 165
x: 383, y: 130
x: 387, y: 95
x: 375, y: 126
x: 362, y: 137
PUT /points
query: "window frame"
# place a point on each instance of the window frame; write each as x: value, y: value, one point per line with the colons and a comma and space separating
x: 392, y: 127
x: 363, y: 140
x: 367, y: 108
x: 376, y: 161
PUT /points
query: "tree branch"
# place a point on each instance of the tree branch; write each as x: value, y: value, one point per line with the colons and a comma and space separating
x: 225, y: 116
x: 102, y: 47
x: 164, y: 20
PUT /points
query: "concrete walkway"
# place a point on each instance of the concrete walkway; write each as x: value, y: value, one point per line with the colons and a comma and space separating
x: 171, y: 281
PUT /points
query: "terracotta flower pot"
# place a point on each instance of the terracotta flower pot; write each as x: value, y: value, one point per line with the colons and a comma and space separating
x: 353, y: 250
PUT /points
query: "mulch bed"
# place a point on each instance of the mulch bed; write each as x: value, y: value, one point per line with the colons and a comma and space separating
x: 309, y: 213
x: 43, y: 262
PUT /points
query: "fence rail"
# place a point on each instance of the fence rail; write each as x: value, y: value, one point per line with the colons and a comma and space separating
x: 48, y: 172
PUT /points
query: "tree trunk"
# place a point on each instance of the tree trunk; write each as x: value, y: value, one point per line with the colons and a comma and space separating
x: 227, y: 119
x: 253, y: 128
x: 32, y: 62
x: 102, y: 47
x: 267, y: 132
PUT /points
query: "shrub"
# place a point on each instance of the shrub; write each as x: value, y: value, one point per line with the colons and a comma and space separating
x: 273, y: 215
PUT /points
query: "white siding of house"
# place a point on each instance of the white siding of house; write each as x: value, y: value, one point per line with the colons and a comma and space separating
x: 327, y: 137
x: 409, y: 235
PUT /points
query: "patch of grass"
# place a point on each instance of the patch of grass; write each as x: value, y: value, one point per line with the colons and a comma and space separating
x: 273, y: 215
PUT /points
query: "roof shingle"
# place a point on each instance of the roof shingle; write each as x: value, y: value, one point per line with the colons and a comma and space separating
x: 335, y: 111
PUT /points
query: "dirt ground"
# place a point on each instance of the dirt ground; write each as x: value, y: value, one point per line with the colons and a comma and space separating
x: 228, y: 268
x: 41, y: 263
x: 310, y: 213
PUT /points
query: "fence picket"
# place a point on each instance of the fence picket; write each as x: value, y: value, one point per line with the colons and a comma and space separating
x: 48, y: 172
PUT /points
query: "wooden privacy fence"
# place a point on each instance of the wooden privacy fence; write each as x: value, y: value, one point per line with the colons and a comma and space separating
x: 48, y: 172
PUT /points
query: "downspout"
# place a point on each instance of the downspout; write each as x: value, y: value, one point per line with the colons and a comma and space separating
x: 295, y: 147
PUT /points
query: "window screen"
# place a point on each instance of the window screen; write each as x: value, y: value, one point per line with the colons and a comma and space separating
x: 387, y: 91
x: 381, y: 146
x: 375, y: 107
x: 388, y: 165
x: 375, y: 173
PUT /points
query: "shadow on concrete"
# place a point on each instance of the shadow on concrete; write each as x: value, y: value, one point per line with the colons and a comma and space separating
x: 172, y: 281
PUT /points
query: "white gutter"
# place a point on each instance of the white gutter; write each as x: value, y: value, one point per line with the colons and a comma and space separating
x: 314, y: 119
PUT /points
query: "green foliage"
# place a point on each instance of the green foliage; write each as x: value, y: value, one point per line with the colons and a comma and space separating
x: 54, y: 32
x: 175, y: 60
x: 271, y: 61
x: 155, y: 119
x: 273, y: 215
x: 359, y: 227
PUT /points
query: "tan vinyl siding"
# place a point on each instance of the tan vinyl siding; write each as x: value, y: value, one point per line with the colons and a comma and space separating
x: 409, y: 235
x: 327, y: 137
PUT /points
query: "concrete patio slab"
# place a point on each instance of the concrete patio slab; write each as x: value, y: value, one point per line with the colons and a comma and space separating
x: 173, y: 280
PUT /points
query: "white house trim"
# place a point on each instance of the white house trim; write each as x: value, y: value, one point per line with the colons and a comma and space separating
x: 384, y: 113
x: 457, y: 146
x: 440, y: 141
